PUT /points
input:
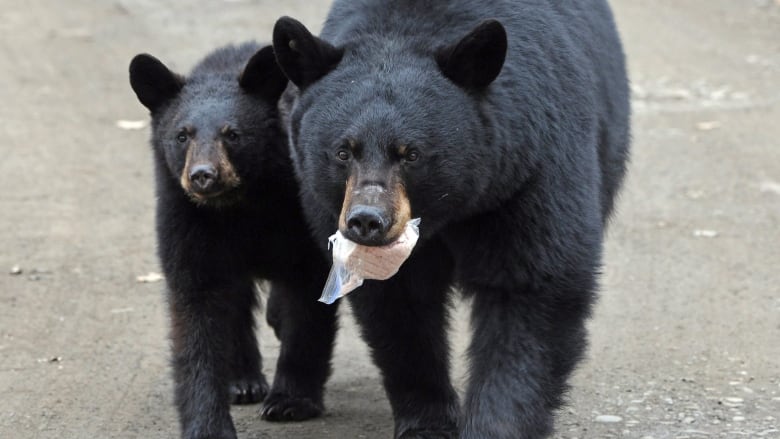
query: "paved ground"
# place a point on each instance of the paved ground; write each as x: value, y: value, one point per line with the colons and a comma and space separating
x: 685, y: 339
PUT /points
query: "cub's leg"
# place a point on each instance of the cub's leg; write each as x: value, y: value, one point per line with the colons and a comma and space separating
x: 247, y: 384
x: 209, y: 325
x: 307, y: 330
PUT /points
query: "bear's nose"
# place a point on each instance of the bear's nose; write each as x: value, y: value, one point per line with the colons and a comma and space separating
x: 366, y: 225
x: 203, y: 177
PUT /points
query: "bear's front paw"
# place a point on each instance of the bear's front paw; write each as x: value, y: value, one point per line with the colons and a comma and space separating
x: 284, y: 408
x: 248, y: 391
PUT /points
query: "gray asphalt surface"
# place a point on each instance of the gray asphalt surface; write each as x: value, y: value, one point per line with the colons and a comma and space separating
x: 685, y: 340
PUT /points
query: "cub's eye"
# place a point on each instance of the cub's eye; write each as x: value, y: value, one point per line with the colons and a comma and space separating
x: 412, y: 155
x: 232, y: 136
x: 182, y: 137
x: 343, y: 154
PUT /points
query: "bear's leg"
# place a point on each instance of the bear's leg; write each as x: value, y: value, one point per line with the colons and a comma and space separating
x: 247, y: 383
x: 307, y: 330
x: 404, y: 321
x: 202, y: 335
x: 273, y: 311
x: 523, y: 349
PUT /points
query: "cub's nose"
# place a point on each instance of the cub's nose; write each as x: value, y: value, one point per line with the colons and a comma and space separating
x: 203, y: 178
x: 366, y: 225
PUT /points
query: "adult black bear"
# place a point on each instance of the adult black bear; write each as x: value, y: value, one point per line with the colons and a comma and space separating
x: 228, y: 214
x: 504, y: 126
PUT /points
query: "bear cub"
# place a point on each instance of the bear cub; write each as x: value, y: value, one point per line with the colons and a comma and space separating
x: 228, y: 215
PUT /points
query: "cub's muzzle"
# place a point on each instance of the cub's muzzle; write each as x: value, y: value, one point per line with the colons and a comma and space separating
x: 204, y: 179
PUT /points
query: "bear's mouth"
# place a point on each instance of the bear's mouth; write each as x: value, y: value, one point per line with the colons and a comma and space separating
x: 208, y: 176
x: 221, y: 197
x: 374, y: 214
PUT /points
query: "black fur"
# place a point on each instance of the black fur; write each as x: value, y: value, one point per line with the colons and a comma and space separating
x: 214, y: 249
x: 521, y: 144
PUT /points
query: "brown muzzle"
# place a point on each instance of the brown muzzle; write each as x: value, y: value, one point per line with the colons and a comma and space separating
x: 374, y: 214
x: 208, y: 171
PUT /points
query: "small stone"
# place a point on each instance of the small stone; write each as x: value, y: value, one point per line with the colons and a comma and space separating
x: 708, y: 125
x: 638, y: 91
x: 674, y: 94
x: 702, y: 233
x: 150, y: 278
x: 608, y: 419
x: 738, y: 418
x: 719, y: 94
x: 694, y: 194
x: 735, y: 400
x: 16, y: 270
x: 769, y: 186
x: 131, y: 124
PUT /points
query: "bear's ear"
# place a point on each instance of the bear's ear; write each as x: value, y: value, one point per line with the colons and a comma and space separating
x: 476, y: 60
x: 152, y: 82
x: 262, y: 76
x: 303, y: 57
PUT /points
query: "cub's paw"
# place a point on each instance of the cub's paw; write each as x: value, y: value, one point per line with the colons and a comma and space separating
x: 284, y: 408
x: 445, y: 428
x: 248, y: 391
x: 225, y: 435
x: 212, y: 432
x: 425, y: 433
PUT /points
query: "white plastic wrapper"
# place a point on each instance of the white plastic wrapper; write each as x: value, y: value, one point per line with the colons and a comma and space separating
x: 353, y: 263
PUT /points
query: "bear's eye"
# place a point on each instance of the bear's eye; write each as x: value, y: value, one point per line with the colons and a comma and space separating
x: 343, y: 154
x: 412, y: 155
x: 182, y: 137
x: 232, y: 136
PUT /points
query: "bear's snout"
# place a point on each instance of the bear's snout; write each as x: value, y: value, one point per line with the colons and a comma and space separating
x: 208, y: 173
x: 366, y: 225
x: 203, y: 179
x: 372, y: 213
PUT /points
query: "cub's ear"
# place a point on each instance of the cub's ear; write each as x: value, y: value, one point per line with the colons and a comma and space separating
x: 262, y: 76
x: 476, y: 60
x: 303, y: 57
x: 152, y: 82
